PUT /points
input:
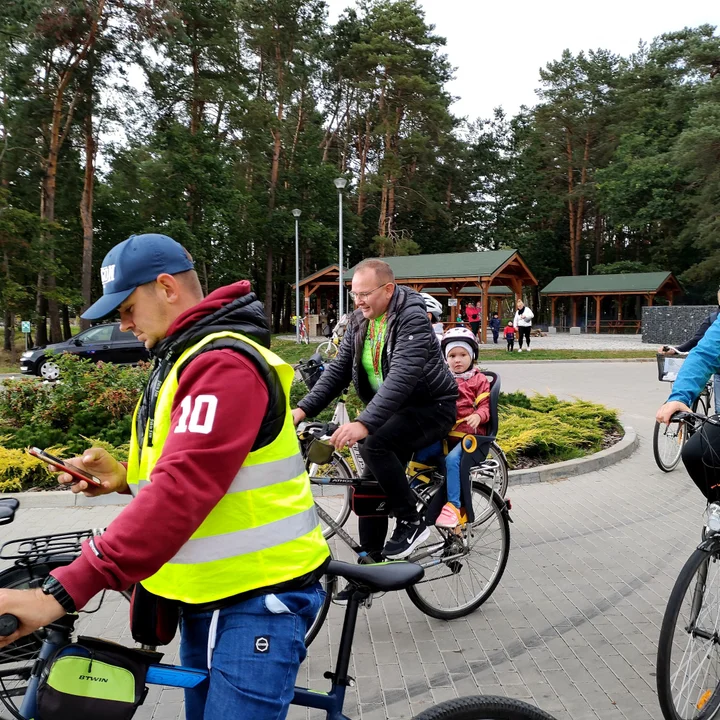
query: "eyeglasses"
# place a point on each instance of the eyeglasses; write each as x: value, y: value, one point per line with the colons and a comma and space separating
x: 362, y: 296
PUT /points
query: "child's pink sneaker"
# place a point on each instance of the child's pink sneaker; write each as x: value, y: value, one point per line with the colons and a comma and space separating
x: 450, y: 517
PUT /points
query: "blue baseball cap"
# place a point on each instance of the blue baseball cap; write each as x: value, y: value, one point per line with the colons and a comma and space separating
x: 134, y: 262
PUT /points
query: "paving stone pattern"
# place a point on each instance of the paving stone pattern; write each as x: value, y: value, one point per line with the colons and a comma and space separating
x: 572, y: 627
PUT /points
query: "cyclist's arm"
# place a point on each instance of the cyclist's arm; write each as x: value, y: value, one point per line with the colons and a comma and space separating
x: 699, y: 365
x: 200, y: 460
x: 333, y: 380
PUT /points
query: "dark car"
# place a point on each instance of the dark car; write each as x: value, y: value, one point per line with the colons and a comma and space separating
x: 104, y: 343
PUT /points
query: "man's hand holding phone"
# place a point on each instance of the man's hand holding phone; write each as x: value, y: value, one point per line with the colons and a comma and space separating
x: 100, y: 464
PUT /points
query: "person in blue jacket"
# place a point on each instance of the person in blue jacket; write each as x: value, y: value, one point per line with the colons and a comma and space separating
x: 495, y: 327
x: 701, y: 453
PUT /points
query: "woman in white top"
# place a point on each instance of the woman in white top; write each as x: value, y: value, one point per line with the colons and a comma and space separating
x: 523, y: 322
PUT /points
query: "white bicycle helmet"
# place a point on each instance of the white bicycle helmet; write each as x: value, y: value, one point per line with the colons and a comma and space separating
x: 433, y: 306
x: 461, y: 335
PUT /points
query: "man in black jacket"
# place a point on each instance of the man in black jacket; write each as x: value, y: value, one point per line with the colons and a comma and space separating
x: 390, y: 353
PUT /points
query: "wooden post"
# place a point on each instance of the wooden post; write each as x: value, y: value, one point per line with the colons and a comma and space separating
x: 650, y: 297
x: 598, y: 311
x: 485, y: 307
x: 307, y: 301
x: 573, y: 300
x: 453, y: 309
x: 619, y: 307
x: 553, y: 302
x: 670, y: 297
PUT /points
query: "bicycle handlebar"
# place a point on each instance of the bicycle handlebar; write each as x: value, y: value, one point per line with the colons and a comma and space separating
x: 683, y: 416
x: 8, y: 624
x: 318, y: 430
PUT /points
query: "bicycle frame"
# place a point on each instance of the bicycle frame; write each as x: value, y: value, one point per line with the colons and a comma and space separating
x: 341, y: 417
x: 185, y: 677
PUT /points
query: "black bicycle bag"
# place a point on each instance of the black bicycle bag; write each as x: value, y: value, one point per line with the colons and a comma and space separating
x: 368, y: 499
x: 93, y: 679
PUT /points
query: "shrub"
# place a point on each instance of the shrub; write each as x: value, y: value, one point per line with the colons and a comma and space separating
x: 90, y: 401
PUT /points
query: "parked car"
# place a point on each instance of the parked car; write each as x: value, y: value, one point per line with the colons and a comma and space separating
x: 104, y: 343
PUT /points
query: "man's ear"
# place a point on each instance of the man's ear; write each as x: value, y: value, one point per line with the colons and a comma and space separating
x: 168, y: 287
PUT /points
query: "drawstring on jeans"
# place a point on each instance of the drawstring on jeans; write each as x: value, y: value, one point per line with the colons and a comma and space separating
x: 212, y: 637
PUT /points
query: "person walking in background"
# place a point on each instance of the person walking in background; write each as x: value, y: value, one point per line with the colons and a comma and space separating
x: 472, y: 315
x: 510, y: 336
x: 495, y: 327
x: 523, y: 323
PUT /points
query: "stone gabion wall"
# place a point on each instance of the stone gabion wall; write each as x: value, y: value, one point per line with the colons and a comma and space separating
x: 672, y: 325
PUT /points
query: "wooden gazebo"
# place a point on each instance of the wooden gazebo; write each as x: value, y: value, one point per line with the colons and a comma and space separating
x: 496, y: 294
x: 325, y: 279
x: 458, y: 272
x: 645, y: 286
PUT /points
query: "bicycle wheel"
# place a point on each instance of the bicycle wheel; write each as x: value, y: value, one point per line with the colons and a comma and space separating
x: 702, y: 405
x: 16, y: 660
x: 668, y: 441
x: 471, y: 562
x: 328, y: 583
x: 495, y: 476
x: 333, y: 499
x: 328, y: 350
x: 483, y: 707
x: 688, y: 658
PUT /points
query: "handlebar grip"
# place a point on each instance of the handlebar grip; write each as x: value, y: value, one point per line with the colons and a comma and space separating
x: 8, y: 624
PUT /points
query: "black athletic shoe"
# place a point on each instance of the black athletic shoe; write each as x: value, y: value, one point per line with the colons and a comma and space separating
x: 406, y: 536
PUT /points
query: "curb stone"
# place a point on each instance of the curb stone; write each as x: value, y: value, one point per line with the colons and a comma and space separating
x: 570, y: 468
x: 546, y: 473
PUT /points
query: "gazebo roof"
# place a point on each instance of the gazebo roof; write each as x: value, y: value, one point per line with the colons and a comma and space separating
x: 616, y: 284
x: 494, y: 290
x: 331, y: 270
x: 455, y: 267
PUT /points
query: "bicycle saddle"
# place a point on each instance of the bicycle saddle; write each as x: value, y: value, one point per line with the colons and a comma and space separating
x: 378, y: 578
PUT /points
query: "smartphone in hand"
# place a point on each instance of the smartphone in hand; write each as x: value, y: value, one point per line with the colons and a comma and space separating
x: 65, y: 466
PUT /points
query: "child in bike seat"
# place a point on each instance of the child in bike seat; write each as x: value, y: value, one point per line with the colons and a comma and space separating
x: 460, y: 348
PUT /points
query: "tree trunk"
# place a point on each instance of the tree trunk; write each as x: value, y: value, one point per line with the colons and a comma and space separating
x: 9, y: 332
x: 86, y: 206
x: 67, y: 331
x: 571, y: 202
x: 41, y: 335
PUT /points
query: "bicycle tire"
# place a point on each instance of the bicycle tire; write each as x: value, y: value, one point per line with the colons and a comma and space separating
x: 16, y: 659
x: 337, y: 467
x: 428, y: 595
x: 328, y: 583
x: 500, y: 478
x: 668, y: 452
x: 704, y: 699
x: 328, y: 350
x: 701, y: 406
x: 483, y: 707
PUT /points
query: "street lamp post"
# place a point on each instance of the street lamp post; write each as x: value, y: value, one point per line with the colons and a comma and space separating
x: 587, y: 272
x: 340, y: 183
x: 296, y: 214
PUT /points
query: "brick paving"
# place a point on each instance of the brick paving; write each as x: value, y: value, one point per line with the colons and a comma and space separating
x: 573, y: 625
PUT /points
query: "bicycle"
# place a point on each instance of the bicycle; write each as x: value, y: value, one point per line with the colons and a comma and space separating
x: 463, y: 566
x: 329, y: 349
x: 304, y: 337
x: 364, y: 579
x: 688, y: 657
x: 344, y: 467
x: 34, y: 559
x: 668, y: 440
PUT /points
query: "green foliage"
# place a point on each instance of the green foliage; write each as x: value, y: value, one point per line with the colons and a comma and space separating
x: 552, y: 430
x: 624, y: 266
x: 91, y: 401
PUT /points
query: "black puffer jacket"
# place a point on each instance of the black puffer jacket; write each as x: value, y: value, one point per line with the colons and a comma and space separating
x: 413, y: 369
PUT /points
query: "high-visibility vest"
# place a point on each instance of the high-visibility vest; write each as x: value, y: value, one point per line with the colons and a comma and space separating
x: 264, y: 531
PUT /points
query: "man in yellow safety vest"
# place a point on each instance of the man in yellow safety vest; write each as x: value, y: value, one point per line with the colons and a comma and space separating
x: 222, y: 521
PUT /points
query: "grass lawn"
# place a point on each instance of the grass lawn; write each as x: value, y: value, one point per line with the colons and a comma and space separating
x: 289, y: 351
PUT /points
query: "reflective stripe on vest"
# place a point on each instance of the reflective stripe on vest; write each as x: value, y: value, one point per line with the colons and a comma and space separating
x: 263, y: 531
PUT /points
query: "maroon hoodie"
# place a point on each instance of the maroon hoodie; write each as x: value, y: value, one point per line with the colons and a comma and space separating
x: 194, y: 472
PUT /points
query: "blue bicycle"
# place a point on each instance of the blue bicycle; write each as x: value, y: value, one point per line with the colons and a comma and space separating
x: 364, y: 579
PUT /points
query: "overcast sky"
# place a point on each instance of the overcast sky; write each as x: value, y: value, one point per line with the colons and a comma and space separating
x: 498, y: 47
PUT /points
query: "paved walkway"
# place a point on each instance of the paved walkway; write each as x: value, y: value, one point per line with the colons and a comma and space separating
x: 573, y: 625
x: 591, y: 341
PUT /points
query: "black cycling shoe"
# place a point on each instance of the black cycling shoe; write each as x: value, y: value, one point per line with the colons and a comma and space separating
x: 407, y: 535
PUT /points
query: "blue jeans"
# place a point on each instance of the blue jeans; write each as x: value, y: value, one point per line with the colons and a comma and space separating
x: 452, y: 468
x: 259, y: 646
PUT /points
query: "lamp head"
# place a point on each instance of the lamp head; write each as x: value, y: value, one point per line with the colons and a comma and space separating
x: 340, y: 183
x: 297, y: 213
x: 587, y: 257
